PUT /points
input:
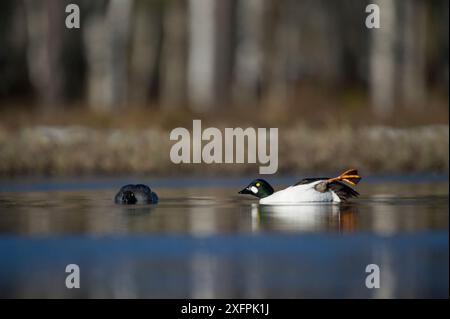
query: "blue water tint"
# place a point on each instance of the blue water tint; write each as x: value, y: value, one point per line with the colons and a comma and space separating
x: 249, y: 266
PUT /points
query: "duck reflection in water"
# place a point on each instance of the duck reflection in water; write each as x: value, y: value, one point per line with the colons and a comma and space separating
x: 136, y: 210
x: 305, y: 218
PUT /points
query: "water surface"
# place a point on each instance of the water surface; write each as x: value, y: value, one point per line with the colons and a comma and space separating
x: 206, y: 241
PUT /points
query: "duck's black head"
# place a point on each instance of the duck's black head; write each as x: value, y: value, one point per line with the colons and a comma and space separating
x: 127, y: 197
x: 259, y: 188
x: 136, y: 194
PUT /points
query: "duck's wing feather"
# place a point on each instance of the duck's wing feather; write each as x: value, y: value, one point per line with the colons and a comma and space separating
x: 342, y: 190
x: 310, y: 180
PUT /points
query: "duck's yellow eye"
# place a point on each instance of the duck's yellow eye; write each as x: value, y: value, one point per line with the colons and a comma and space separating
x: 258, y: 184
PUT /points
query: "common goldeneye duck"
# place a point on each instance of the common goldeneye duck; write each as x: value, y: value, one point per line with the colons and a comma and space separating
x: 136, y: 194
x: 313, y: 189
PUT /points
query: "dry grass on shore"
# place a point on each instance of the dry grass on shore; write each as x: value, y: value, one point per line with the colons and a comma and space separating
x: 70, y: 150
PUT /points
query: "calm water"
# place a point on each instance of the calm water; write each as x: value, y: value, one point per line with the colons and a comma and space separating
x: 204, y: 241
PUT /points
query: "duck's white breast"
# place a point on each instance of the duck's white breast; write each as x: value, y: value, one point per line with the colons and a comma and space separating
x: 300, y: 194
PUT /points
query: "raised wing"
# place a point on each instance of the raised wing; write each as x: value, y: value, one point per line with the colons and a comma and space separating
x: 343, y: 191
x: 309, y: 180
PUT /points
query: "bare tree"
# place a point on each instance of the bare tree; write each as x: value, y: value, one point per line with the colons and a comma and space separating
x: 297, y: 54
x: 106, y: 41
x: 45, y: 24
x: 174, y: 52
x: 413, y: 62
x: 145, y: 51
x: 209, y: 60
x: 249, y: 68
x: 382, y: 59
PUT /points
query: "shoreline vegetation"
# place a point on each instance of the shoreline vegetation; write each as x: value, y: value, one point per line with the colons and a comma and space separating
x: 34, y: 147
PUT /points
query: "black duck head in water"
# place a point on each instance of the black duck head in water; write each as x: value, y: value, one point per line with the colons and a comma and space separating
x: 136, y: 194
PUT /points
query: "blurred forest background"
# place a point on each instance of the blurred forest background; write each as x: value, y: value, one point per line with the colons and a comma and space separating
x: 103, y: 98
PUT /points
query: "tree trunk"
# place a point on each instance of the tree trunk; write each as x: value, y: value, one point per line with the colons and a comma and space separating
x: 118, y: 15
x: 249, y: 50
x: 209, y: 62
x: 105, y: 37
x: 382, y: 59
x: 45, y: 23
x: 145, y: 52
x: 173, y: 70
x: 414, y: 53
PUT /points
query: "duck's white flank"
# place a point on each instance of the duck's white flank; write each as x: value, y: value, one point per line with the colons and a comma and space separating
x: 299, y: 194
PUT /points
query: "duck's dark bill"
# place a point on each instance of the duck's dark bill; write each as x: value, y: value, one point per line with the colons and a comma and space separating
x: 246, y: 191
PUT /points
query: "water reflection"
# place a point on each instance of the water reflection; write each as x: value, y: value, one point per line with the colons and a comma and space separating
x: 86, y: 213
x: 304, y: 218
x: 241, y: 266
